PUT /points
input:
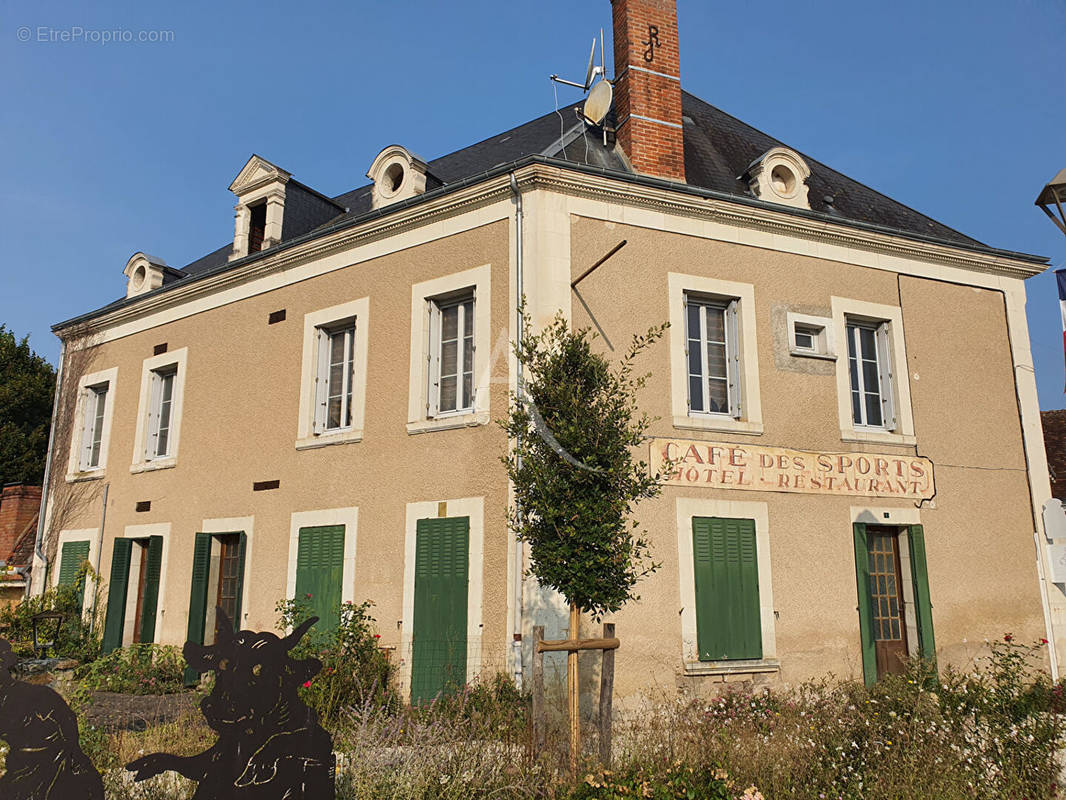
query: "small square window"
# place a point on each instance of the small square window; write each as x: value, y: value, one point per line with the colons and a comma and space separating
x: 809, y: 336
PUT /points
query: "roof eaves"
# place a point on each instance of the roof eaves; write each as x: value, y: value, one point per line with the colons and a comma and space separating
x: 500, y: 169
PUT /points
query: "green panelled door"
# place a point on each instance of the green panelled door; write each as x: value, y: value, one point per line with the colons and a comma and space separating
x: 728, y: 622
x: 920, y: 582
x: 201, y: 569
x: 74, y: 555
x: 866, y: 625
x: 116, y: 595
x: 439, y: 627
x: 320, y: 572
x: 152, y: 573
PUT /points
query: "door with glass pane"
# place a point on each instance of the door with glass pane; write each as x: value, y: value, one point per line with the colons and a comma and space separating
x: 886, y: 601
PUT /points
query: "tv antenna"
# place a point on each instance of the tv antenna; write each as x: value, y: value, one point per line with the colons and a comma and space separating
x: 592, y: 71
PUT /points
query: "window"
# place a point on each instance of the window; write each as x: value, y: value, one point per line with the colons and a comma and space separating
x: 869, y: 375
x: 873, y: 386
x: 160, y: 412
x: 336, y: 373
x: 810, y: 337
x: 256, y: 227
x: 451, y: 388
x: 88, y: 446
x: 159, y: 418
x: 333, y: 376
x: 728, y: 624
x: 726, y: 587
x: 452, y: 356
x: 711, y: 353
x: 95, y: 404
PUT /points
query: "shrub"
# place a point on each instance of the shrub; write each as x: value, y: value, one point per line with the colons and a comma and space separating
x: 676, y: 780
x: 75, y: 639
x: 493, y: 706
x: 137, y: 669
x: 354, y: 672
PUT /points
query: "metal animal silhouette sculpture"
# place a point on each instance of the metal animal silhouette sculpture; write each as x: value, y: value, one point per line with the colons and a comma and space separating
x: 270, y: 745
x: 44, y: 759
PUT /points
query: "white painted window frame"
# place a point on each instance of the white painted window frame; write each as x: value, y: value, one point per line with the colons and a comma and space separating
x: 745, y: 354
x: 728, y: 307
x: 822, y: 327
x: 420, y: 411
x: 76, y: 469
x: 78, y: 535
x: 178, y: 361
x: 349, y: 518
x: 474, y: 509
x: 323, y: 385
x: 892, y: 357
x: 687, y: 508
x: 436, y: 346
x: 311, y: 432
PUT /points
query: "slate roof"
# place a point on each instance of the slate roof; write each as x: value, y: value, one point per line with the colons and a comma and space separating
x: 718, y: 150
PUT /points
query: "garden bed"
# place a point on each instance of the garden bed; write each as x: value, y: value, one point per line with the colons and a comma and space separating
x: 112, y: 711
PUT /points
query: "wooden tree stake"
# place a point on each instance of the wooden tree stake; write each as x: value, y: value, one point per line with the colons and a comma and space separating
x: 539, y: 720
x: 606, y: 696
x: 575, y: 696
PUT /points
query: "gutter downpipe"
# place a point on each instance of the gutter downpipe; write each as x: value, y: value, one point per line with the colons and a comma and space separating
x: 38, y: 554
x: 519, y: 324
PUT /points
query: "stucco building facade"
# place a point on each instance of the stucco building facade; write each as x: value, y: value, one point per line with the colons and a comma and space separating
x: 310, y: 409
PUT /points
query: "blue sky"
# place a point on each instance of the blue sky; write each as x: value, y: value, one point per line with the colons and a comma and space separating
x: 955, y: 108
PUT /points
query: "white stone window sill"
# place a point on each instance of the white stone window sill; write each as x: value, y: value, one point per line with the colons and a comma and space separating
x: 876, y: 437
x: 153, y: 465
x: 327, y: 439
x: 813, y: 354
x: 723, y: 424
x: 448, y: 423
x: 85, y: 475
x: 732, y: 667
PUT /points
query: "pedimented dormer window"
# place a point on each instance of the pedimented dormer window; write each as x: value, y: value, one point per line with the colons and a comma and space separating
x: 397, y: 174
x: 780, y: 176
x: 143, y: 273
x: 260, y: 210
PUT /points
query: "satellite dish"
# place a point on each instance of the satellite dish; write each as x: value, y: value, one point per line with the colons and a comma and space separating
x: 592, y: 69
x: 598, y: 103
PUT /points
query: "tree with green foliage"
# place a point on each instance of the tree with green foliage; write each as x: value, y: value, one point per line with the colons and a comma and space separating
x: 576, y: 477
x: 27, y: 385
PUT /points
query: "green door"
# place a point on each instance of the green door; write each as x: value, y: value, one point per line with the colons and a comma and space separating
x: 117, y: 588
x: 728, y: 622
x: 439, y: 626
x: 320, y: 572
x: 74, y: 555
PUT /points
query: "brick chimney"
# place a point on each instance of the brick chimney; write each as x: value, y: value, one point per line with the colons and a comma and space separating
x: 19, y: 505
x: 648, y: 86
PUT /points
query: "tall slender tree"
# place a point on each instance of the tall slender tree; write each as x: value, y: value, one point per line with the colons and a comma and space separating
x: 575, y: 423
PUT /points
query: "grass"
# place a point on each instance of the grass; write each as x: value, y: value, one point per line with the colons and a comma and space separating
x: 991, y: 732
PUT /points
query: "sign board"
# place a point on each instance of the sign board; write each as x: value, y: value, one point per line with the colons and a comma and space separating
x: 719, y: 465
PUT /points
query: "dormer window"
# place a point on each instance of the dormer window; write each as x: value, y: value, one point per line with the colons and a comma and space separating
x: 779, y: 176
x: 261, y: 188
x: 144, y: 273
x: 257, y: 218
x: 398, y: 174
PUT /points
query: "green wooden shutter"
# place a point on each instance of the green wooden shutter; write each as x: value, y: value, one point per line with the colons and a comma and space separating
x: 320, y: 572
x: 240, y: 579
x: 74, y: 555
x: 201, y: 568
x: 862, y: 583
x: 439, y: 636
x: 923, y: 605
x: 116, y: 595
x: 726, y: 569
x: 152, y: 572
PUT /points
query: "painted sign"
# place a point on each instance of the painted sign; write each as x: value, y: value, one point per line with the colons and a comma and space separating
x: 718, y: 465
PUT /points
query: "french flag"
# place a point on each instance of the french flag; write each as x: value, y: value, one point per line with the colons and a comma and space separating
x: 1060, y: 276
